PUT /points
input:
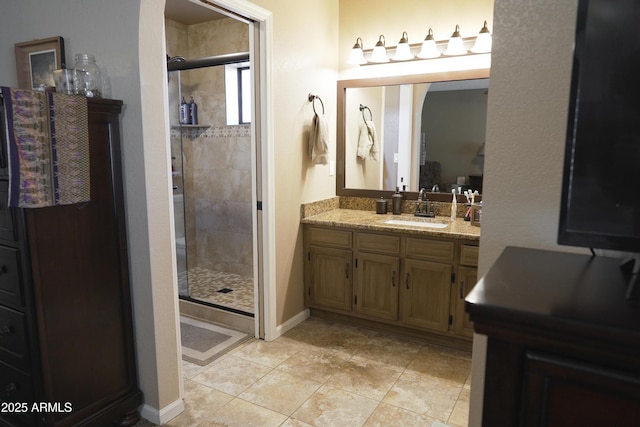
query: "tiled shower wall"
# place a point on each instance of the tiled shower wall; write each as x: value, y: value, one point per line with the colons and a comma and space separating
x: 217, y: 159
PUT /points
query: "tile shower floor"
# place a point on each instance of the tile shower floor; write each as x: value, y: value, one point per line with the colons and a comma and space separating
x: 328, y: 374
x: 225, y: 289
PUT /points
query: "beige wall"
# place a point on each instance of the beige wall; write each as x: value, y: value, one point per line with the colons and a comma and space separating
x: 305, y: 61
x: 526, y: 125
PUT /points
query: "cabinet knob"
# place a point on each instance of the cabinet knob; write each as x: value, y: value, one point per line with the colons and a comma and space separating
x: 5, y: 330
x: 393, y: 278
x: 3, y: 270
x: 407, y: 281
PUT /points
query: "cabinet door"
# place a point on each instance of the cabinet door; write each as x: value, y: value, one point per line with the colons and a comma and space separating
x: 467, y: 278
x: 377, y: 278
x: 331, y: 277
x: 426, y: 294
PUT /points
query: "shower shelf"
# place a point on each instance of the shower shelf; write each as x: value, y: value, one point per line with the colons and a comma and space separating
x: 191, y: 131
x: 178, y: 127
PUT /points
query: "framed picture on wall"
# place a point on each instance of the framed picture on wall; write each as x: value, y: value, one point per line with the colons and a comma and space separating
x: 36, y: 59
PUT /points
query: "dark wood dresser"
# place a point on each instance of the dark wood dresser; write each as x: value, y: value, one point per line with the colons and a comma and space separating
x: 67, y: 354
x: 563, y: 342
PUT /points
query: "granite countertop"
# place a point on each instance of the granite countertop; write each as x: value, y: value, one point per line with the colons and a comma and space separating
x: 369, y: 220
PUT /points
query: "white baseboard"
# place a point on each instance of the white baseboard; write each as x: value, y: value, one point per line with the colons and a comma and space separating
x: 291, y: 323
x: 163, y: 415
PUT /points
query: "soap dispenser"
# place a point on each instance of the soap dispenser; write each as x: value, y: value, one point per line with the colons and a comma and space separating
x: 397, y: 202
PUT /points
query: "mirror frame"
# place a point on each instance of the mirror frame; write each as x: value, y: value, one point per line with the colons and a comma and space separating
x: 343, y: 85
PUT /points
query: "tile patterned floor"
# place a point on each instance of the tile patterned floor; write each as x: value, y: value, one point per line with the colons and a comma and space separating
x: 329, y: 374
x: 204, y: 284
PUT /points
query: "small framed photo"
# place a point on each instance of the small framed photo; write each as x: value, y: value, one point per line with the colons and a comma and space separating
x: 35, y: 61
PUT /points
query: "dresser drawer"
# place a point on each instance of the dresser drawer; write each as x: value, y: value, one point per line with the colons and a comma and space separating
x: 7, y: 220
x: 11, y: 290
x: 14, y: 348
x: 16, y: 386
x: 328, y: 236
x: 437, y: 250
x: 383, y: 243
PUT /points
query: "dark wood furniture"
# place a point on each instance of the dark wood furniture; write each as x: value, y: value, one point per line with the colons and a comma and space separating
x: 66, y: 335
x: 563, y: 342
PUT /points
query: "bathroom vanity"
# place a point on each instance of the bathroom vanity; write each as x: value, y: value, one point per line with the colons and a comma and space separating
x: 396, y: 272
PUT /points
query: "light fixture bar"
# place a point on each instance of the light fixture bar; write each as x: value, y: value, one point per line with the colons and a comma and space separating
x: 441, y: 44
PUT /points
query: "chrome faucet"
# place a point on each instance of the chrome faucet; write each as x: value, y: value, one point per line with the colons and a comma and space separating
x: 422, y: 209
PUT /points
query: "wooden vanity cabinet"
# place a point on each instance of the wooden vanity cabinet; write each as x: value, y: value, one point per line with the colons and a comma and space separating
x: 426, y: 290
x: 66, y: 329
x: 466, y: 278
x: 377, y: 275
x: 328, y: 272
x: 400, y: 280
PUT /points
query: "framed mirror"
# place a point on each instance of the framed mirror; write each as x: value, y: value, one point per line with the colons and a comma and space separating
x: 416, y: 131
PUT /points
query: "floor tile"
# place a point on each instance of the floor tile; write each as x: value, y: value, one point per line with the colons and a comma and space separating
x: 460, y: 414
x: 395, y: 351
x: 190, y: 370
x: 424, y: 395
x: 314, y: 365
x: 240, y: 413
x: 388, y: 415
x: 324, y: 373
x: 280, y: 392
x: 268, y: 353
x: 365, y: 377
x: 200, y: 401
x: 441, y: 363
x: 231, y: 375
x: 333, y: 407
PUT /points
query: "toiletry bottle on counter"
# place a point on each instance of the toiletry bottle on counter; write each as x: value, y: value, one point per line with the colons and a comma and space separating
x: 397, y: 202
x: 193, y: 112
x: 184, y: 112
x: 454, y: 206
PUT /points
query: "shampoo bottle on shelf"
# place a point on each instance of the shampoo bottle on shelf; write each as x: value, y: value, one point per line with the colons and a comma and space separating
x: 184, y: 112
x: 193, y: 112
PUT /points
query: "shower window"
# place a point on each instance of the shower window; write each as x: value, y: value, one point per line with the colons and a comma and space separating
x: 238, y: 93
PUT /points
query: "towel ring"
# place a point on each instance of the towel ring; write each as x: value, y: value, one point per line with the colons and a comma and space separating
x: 312, y: 99
x: 364, y: 107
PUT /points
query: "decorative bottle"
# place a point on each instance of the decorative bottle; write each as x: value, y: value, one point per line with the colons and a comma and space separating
x: 87, y: 77
x: 397, y: 202
x: 193, y: 112
x: 184, y: 112
x: 454, y: 206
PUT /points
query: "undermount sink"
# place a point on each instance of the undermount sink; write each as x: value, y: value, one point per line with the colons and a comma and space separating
x: 416, y: 223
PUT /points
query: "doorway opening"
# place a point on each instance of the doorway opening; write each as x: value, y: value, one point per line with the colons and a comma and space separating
x: 215, y: 171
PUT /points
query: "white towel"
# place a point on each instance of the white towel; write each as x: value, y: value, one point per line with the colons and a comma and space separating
x: 318, y: 147
x: 367, y: 141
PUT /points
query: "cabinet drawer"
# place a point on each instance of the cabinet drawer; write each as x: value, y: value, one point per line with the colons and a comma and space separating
x: 326, y: 236
x: 15, y: 386
x: 439, y: 250
x: 10, y: 277
x: 469, y: 255
x: 378, y: 243
x: 14, y: 348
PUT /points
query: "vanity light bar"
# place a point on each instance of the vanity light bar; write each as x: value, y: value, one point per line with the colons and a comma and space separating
x: 428, y: 49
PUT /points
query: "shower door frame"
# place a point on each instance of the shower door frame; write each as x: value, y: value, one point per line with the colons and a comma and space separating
x: 262, y: 156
